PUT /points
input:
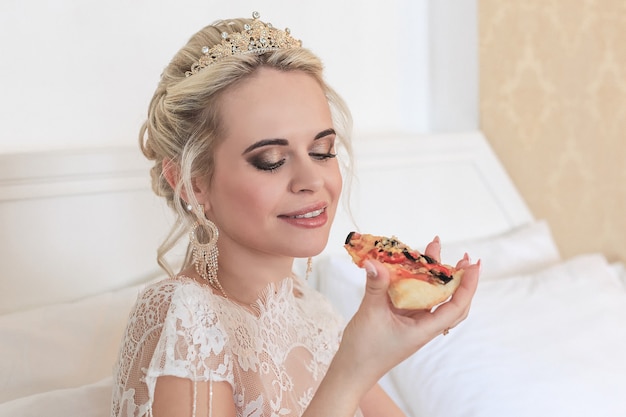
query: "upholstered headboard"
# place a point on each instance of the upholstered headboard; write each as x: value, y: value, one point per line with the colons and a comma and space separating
x: 80, y: 222
x: 75, y: 223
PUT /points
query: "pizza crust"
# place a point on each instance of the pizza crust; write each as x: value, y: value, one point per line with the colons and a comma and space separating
x: 415, y: 294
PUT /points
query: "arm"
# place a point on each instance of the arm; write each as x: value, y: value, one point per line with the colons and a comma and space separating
x: 174, y: 397
x: 376, y: 403
x: 379, y: 337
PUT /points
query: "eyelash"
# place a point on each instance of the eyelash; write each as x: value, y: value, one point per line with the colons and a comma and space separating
x: 272, y: 167
x: 322, y: 156
x: 269, y: 167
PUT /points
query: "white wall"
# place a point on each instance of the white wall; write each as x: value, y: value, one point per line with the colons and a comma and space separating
x: 80, y: 73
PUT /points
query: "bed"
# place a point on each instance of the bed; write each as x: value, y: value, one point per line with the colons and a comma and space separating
x: 546, y: 335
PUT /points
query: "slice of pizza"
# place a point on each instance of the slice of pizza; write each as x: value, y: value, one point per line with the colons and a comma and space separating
x: 417, y: 280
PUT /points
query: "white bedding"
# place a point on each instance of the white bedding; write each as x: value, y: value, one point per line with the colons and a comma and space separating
x: 63, y: 345
x: 89, y: 400
x: 549, y: 343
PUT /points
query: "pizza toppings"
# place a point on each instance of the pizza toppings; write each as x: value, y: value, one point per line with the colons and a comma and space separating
x: 417, y: 280
x: 390, y: 250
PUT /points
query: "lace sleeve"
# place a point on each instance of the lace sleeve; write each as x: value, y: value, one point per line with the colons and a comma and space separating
x: 172, y: 331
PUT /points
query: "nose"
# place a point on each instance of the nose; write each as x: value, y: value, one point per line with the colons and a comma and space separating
x: 307, y: 177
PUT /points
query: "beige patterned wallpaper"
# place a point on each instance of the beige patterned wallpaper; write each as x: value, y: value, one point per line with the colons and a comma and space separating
x: 553, y: 106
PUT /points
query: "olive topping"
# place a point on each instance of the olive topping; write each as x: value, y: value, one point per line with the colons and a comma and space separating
x: 429, y: 259
x: 441, y: 276
x: 349, y: 238
x: 408, y: 255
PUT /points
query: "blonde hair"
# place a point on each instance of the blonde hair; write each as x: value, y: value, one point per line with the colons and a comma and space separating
x: 183, y: 126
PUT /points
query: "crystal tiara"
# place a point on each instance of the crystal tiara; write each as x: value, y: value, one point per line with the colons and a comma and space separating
x: 256, y: 38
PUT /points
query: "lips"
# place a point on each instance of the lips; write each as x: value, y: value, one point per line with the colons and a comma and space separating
x: 310, y: 217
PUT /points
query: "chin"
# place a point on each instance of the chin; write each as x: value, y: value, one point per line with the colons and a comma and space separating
x: 314, y: 247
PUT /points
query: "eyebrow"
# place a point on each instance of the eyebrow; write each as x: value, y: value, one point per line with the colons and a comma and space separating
x: 266, y: 142
x: 284, y: 142
x: 325, y: 133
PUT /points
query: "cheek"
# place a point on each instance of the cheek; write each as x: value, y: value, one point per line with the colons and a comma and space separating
x: 334, y: 186
x: 250, y: 194
x: 335, y: 180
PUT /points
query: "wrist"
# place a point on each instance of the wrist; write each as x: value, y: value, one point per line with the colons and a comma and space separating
x: 342, y: 388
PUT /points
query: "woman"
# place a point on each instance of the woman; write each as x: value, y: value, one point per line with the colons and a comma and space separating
x: 243, y: 132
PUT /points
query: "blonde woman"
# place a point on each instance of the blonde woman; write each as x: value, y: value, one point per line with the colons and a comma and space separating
x: 244, y: 132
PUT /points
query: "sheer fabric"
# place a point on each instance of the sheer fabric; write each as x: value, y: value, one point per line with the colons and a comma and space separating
x: 274, y: 355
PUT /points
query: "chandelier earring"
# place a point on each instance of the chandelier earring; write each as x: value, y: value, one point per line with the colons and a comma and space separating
x: 203, y: 239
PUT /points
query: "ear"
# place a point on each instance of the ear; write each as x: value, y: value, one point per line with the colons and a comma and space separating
x: 200, y: 188
x: 171, y: 172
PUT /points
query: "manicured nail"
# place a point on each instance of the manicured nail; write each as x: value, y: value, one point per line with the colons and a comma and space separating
x: 370, y: 269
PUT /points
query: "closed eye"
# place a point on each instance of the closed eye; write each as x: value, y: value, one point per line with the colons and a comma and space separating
x: 267, y: 165
x: 268, y: 160
x: 323, y: 146
x: 322, y: 156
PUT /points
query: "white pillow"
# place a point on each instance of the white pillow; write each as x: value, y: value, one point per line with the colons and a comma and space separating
x: 524, y: 249
x: 620, y: 271
x: 63, y: 345
x: 91, y: 400
x: 548, y: 343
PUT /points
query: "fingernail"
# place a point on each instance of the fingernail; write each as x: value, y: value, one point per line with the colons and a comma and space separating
x: 436, y: 239
x: 467, y: 257
x: 370, y: 269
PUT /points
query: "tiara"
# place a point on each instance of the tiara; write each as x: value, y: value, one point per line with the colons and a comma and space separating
x: 256, y: 38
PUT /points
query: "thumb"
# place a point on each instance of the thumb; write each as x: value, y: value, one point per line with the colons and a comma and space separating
x: 377, y: 280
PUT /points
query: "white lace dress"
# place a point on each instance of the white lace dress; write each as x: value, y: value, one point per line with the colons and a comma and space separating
x: 274, y: 358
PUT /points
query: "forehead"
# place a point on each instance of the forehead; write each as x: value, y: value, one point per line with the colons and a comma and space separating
x: 272, y: 103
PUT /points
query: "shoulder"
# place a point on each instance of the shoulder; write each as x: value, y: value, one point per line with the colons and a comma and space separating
x: 169, y: 288
x: 170, y: 296
x: 164, y: 291
x: 173, y: 330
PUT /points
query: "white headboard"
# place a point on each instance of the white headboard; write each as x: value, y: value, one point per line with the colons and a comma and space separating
x: 76, y: 223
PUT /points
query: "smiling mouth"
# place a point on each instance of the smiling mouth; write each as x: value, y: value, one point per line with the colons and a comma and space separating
x: 309, y: 215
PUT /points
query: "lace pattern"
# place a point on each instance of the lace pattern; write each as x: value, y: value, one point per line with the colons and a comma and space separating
x: 274, y: 357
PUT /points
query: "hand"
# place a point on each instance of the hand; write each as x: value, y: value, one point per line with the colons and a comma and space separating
x: 380, y: 336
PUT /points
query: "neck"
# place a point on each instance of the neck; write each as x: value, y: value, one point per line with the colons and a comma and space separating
x: 245, y: 276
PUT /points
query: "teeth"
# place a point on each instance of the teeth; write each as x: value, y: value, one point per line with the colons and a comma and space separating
x: 309, y: 215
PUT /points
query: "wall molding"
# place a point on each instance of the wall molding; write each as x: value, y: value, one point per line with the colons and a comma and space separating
x: 70, y: 172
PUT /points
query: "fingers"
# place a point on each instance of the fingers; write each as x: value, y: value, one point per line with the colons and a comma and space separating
x: 464, y: 262
x: 377, y: 281
x: 447, y: 315
x: 457, y: 308
x: 433, y: 249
